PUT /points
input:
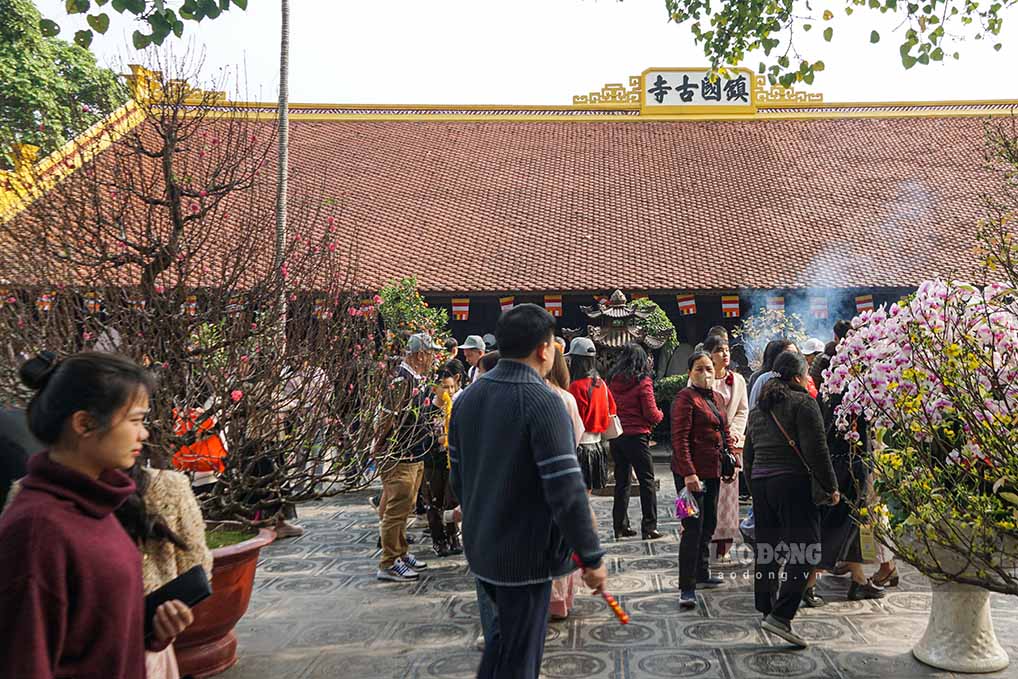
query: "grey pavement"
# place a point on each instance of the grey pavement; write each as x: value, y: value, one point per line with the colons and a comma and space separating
x: 317, y: 611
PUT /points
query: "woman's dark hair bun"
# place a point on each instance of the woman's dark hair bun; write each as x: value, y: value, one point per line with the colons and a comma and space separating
x: 36, y: 371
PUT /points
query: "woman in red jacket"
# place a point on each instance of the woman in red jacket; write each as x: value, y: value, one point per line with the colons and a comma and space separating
x: 633, y: 390
x: 699, y: 434
x: 596, y: 405
x: 70, y: 577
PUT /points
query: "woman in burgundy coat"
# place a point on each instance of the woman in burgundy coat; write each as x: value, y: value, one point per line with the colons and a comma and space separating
x: 699, y: 434
x: 633, y: 389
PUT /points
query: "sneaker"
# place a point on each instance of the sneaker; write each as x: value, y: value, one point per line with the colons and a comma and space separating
x: 687, y: 599
x: 441, y: 549
x: 285, y: 529
x: 479, y: 642
x: 398, y: 572
x: 413, y: 562
x: 783, y: 629
x: 811, y: 599
x: 857, y: 592
x: 710, y: 582
x: 374, y: 501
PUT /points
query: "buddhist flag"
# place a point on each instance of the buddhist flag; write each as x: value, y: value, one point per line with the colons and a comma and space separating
x: 818, y: 306
x: 137, y: 304
x: 5, y: 297
x: 864, y: 303
x: 44, y: 302
x: 601, y: 299
x: 730, y: 306
x: 321, y: 309
x: 639, y: 295
x: 553, y: 303
x: 506, y: 303
x: 776, y: 304
x: 93, y: 302
x: 190, y: 305
x: 461, y: 308
x: 687, y: 304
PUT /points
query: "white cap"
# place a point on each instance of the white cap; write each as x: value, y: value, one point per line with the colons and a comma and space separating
x: 812, y: 346
x: 582, y: 346
x: 473, y: 342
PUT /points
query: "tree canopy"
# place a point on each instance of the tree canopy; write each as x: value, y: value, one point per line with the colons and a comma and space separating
x: 160, y: 18
x: 730, y: 29
x: 50, y: 90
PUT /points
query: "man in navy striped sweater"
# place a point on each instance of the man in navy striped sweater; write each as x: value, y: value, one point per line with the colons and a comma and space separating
x: 525, y: 507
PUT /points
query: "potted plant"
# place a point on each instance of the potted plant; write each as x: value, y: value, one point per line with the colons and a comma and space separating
x: 937, y: 376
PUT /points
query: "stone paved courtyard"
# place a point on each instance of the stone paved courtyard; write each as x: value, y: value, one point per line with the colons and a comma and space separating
x: 318, y: 612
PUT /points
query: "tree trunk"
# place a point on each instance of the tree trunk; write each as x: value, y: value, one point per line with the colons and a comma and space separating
x: 284, y: 154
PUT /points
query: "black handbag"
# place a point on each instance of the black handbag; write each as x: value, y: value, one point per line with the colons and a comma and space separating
x: 729, y: 465
x: 821, y: 496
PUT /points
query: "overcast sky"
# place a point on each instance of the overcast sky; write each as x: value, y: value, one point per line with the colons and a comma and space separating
x: 532, y: 51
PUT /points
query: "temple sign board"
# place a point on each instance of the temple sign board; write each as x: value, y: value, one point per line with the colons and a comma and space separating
x: 670, y: 91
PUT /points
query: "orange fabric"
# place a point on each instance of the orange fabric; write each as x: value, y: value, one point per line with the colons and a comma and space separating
x: 204, y: 455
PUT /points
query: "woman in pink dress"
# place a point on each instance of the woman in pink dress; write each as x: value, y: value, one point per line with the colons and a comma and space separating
x: 563, y: 589
x: 732, y: 387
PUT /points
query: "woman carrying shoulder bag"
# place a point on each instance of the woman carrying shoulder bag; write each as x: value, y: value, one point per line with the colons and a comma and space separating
x: 596, y: 406
x: 700, y: 442
x: 789, y: 470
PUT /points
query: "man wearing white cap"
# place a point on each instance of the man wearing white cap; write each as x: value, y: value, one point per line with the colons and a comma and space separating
x: 410, y: 433
x: 473, y: 350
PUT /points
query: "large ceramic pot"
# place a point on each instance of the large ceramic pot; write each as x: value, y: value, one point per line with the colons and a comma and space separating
x: 959, y: 635
x: 209, y: 646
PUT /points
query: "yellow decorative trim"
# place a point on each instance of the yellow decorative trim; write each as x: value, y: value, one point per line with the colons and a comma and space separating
x: 30, y: 180
x: 612, y: 93
x: 778, y: 96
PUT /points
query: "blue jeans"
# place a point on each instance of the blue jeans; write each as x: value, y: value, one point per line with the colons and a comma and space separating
x: 489, y: 615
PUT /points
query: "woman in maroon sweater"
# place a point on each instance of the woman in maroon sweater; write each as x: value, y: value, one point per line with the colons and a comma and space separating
x: 633, y: 390
x: 699, y: 433
x: 70, y: 577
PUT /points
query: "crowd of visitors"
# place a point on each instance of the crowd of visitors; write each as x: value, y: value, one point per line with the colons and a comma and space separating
x: 500, y: 454
x: 774, y: 434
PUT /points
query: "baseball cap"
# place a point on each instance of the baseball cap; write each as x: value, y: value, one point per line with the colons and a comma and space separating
x: 812, y: 346
x: 473, y: 342
x: 582, y: 346
x: 490, y: 342
x: 421, y: 342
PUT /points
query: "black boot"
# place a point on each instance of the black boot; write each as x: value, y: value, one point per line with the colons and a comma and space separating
x: 454, y: 539
x: 441, y: 549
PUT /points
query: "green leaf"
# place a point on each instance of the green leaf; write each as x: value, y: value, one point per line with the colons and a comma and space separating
x: 924, y: 59
x: 997, y: 47
x: 178, y: 28
x: 140, y: 40
x: 119, y: 5
x: 241, y: 3
x: 908, y: 61
x: 956, y: 56
x: 848, y: 11
x: 828, y: 33
x: 99, y: 22
x: 783, y: 61
x: 807, y: 27
x: 135, y: 6
x: 76, y: 6
x: 83, y: 38
x: 937, y: 54
x: 49, y: 28
x: 874, y: 37
x: 819, y: 66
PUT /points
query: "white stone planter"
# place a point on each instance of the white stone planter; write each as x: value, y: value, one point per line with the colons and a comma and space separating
x: 959, y: 636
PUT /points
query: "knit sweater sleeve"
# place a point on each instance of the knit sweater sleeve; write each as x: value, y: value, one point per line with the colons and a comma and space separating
x: 809, y: 424
x: 741, y: 415
x: 190, y: 528
x: 31, y: 629
x: 648, y: 405
x: 682, y: 426
x: 551, y: 440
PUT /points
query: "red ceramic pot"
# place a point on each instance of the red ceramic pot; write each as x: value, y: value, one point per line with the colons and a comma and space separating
x: 209, y: 647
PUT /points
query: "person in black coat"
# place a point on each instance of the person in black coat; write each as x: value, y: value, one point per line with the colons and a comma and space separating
x: 16, y: 445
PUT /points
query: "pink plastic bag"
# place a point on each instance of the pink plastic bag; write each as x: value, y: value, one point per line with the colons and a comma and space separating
x: 685, y: 505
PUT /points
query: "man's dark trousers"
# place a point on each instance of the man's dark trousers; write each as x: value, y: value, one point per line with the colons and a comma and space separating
x: 519, y: 639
